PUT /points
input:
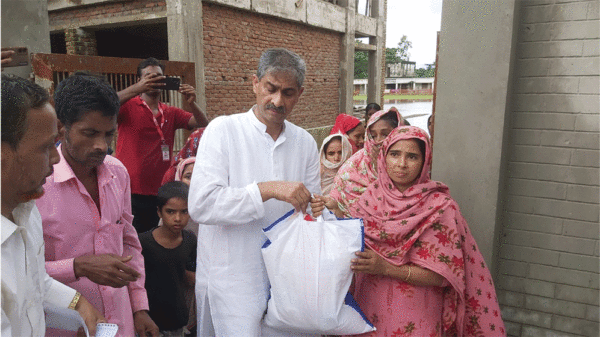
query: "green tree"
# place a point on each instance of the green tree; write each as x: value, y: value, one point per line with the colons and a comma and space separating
x: 400, y: 53
x: 361, y: 64
x: 429, y: 71
x: 392, y: 55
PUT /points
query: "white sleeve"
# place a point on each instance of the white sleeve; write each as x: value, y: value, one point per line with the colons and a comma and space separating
x: 211, y: 200
x: 57, y: 293
x: 6, y: 328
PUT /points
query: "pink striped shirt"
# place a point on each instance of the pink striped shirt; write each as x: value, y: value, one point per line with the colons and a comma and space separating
x: 73, y: 227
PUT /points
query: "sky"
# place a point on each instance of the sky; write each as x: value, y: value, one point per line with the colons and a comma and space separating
x: 419, y: 20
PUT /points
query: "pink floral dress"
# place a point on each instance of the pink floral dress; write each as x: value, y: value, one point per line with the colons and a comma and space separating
x: 423, y: 226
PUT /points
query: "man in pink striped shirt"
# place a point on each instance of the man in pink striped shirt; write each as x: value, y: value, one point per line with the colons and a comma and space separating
x: 86, y: 211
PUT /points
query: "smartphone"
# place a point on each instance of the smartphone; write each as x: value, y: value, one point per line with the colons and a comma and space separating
x: 19, y: 58
x: 171, y: 83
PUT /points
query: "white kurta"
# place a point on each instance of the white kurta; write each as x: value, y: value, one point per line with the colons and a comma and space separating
x: 26, y: 287
x: 235, y: 153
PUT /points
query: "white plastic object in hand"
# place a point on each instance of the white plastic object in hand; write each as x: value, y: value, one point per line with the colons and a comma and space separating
x: 308, y: 264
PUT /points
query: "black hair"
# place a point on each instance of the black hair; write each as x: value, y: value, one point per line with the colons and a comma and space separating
x: 151, y: 61
x: 405, y: 122
x: 372, y: 106
x: 369, y: 107
x: 354, y: 128
x: 172, y: 189
x: 18, y: 97
x: 421, y: 144
x: 81, y: 93
x: 391, y: 118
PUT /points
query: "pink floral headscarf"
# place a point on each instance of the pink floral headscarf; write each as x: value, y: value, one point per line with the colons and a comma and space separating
x: 329, y: 169
x: 423, y: 226
x: 360, y: 170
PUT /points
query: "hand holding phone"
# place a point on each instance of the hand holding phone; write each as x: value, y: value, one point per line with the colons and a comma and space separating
x: 188, y: 92
x: 15, y: 57
x: 171, y: 83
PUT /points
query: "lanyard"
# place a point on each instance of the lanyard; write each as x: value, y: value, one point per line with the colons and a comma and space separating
x: 158, y: 127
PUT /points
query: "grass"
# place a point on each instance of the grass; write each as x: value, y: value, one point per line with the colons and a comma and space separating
x: 397, y: 96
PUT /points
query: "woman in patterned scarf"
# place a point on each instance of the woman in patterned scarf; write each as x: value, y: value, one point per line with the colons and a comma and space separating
x: 360, y: 170
x: 422, y: 274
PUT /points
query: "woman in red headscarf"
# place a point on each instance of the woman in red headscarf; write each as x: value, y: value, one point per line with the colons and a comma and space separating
x: 422, y: 274
x: 353, y: 128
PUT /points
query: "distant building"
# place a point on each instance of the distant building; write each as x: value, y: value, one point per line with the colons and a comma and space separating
x: 405, y: 85
x: 402, y: 69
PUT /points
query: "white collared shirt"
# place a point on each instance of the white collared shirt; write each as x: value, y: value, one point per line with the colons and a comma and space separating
x: 26, y: 287
x: 235, y: 153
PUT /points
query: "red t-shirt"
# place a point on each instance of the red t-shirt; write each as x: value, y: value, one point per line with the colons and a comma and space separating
x: 139, y: 143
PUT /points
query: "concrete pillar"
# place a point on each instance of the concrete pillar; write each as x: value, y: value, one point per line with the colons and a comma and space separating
x: 471, y: 111
x: 347, y: 60
x: 186, y: 39
x: 376, y: 74
x: 18, y: 14
x: 80, y: 42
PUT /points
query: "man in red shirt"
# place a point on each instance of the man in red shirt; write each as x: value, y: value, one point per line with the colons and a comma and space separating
x: 146, y: 135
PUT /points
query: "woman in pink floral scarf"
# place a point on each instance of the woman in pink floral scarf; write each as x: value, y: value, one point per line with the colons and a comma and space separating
x: 422, y: 274
x: 360, y: 170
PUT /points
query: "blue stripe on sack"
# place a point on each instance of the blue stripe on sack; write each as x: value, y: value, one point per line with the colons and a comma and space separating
x: 362, y: 234
x: 266, y: 244
x: 349, y: 301
x: 286, y: 215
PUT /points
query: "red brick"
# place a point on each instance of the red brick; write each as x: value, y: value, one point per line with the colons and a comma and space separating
x: 231, y: 54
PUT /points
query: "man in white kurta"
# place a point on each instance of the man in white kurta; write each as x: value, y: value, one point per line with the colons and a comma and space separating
x: 25, y: 283
x: 251, y: 169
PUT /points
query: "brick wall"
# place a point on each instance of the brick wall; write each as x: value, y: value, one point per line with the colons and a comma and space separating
x: 80, y: 42
x: 233, y: 42
x: 549, y: 258
x: 79, y: 16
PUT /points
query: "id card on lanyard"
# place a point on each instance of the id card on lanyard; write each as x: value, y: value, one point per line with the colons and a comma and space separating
x: 164, y: 148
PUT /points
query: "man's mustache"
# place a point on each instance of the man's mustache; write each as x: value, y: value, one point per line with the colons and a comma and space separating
x: 272, y: 106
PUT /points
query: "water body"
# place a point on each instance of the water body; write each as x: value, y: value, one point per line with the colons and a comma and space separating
x: 416, y: 112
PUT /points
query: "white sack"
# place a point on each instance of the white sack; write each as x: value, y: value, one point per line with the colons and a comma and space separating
x: 308, y: 264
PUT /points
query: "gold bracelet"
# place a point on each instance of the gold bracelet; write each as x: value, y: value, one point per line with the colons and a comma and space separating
x: 75, y: 300
x: 408, y: 276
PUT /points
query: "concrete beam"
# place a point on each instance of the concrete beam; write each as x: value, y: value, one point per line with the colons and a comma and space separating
x: 241, y: 4
x: 116, y: 21
x: 325, y: 15
x: 315, y: 13
x: 291, y: 10
x: 54, y: 5
x: 365, y: 25
x: 184, y: 26
x: 364, y: 46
